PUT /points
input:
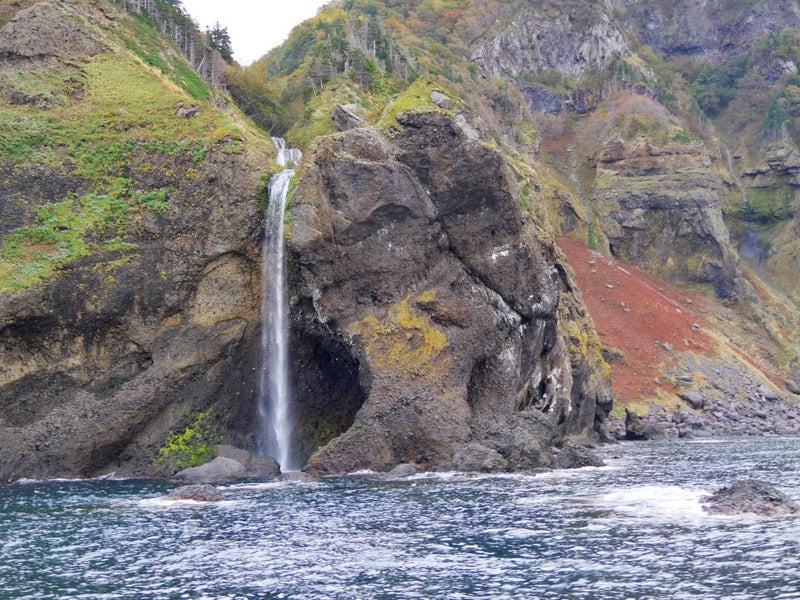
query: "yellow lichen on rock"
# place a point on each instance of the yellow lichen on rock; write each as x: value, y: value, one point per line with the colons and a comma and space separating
x: 405, y: 340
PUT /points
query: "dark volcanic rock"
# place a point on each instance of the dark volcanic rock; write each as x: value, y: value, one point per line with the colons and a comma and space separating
x: 104, y: 359
x: 637, y: 428
x: 403, y: 470
x: 255, y: 466
x: 478, y: 458
x: 218, y: 469
x: 750, y: 496
x: 634, y: 425
x: 414, y: 259
x: 200, y: 492
x: 572, y: 456
x: 91, y: 382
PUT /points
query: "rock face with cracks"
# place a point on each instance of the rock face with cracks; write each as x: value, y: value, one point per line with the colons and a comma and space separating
x: 659, y: 207
x: 413, y: 258
x: 122, y: 346
x: 94, y: 372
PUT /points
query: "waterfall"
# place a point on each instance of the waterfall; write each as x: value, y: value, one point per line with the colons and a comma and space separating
x: 273, y: 391
x: 736, y: 178
x: 751, y: 247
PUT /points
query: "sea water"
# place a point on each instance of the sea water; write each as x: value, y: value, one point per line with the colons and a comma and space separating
x: 632, y: 529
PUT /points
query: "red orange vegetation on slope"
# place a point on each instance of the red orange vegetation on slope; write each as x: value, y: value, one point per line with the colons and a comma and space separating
x: 650, y: 321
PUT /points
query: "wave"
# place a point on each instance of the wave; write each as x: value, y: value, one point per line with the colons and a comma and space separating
x: 650, y: 501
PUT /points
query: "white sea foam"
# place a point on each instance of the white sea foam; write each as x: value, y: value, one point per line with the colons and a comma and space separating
x: 363, y: 473
x: 651, y: 501
x: 162, y: 502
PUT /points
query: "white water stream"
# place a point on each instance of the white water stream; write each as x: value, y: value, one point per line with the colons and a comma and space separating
x: 274, y: 392
x: 751, y: 246
x: 736, y: 179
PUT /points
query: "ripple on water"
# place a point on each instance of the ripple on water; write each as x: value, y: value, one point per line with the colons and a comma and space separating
x: 635, y: 530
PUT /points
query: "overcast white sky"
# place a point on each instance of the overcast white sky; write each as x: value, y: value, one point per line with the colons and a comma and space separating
x: 255, y: 26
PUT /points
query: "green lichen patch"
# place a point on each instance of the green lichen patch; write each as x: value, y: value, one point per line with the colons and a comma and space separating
x: 191, y: 447
x: 60, y: 235
x: 769, y: 205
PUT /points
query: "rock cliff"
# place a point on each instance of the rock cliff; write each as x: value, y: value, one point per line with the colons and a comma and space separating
x: 675, y: 124
x: 433, y: 320
x: 709, y: 31
x: 101, y: 362
x: 130, y: 257
x: 660, y: 208
x: 571, y: 38
x: 575, y: 58
x: 413, y: 255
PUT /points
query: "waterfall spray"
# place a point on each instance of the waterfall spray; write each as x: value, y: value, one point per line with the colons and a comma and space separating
x: 274, y: 393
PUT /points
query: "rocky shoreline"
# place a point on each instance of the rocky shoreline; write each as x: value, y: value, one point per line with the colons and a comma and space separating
x: 719, y: 399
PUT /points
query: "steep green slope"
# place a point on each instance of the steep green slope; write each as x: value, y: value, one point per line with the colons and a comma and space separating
x: 129, y: 192
x: 90, y: 125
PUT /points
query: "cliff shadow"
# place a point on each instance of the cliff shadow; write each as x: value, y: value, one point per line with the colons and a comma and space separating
x: 327, y: 389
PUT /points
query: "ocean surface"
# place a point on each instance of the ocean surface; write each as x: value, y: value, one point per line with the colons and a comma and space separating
x: 631, y: 529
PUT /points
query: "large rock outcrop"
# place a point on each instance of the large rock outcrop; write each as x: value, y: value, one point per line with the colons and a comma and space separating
x: 412, y: 256
x: 659, y: 206
x: 98, y: 364
x: 706, y: 30
x: 571, y: 38
x: 44, y: 31
x: 147, y: 319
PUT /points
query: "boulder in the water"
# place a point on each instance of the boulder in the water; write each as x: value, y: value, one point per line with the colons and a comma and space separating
x: 573, y: 456
x: 199, y: 492
x: 750, y: 496
x: 403, y: 470
x: 637, y: 429
x: 477, y: 457
x: 255, y: 465
x: 219, y: 469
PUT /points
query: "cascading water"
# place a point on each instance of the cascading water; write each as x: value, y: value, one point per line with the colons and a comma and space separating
x: 273, y: 393
x: 752, y: 247
x: 736, y: 179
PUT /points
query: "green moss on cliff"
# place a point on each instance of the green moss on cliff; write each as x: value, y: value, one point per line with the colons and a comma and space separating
x: 193, y: 446
x: 61, y: 234
x: 111, y: 123
x: 768, y: 205
x: 414, y: 99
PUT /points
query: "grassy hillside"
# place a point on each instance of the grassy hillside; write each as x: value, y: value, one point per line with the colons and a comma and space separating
x: 105, y: 128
